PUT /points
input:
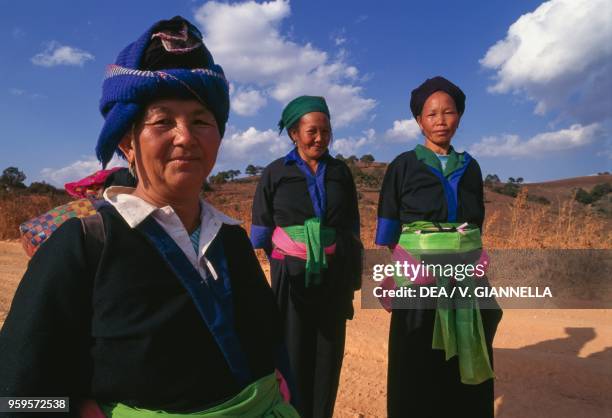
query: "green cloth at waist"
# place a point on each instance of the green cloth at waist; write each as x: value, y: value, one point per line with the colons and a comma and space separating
x: 261, y: 398
x: 457, y: 331
x: 424, y: 238
x: 316, y: 237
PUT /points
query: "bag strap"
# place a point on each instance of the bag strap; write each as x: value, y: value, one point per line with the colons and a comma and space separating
x: 94, y: 236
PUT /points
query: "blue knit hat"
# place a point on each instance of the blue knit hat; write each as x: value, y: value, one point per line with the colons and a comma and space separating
x: 168, y: 60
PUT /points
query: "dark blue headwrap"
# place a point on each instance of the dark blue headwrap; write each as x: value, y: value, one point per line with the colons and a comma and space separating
x: 429, y: 87
x: 168, y: 60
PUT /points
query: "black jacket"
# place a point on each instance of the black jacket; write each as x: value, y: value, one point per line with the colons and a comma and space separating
x: 412, y: 192
x: 132, y: 333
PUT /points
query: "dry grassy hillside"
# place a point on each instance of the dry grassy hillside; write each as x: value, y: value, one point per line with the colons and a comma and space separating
x: 510, y: 222
x: 561, y: 223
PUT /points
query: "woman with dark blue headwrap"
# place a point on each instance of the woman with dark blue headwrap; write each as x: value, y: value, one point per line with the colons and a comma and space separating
x: 440, y: 359
x: 158, y: 307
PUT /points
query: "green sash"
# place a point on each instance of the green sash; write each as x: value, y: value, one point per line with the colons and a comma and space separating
x: 316, y: 237
x: 261, y: 398
x: 458, y: 331
x: 435, y: 242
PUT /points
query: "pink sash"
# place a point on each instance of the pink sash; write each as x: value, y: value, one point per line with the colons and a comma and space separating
x: 90, y: 185
x: 284, y: 245
x: 90, y: 409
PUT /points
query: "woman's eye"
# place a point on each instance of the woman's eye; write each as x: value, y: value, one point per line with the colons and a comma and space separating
x: 162, y: 122
x: 201, y: 122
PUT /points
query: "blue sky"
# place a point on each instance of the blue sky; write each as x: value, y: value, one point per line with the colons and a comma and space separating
x: 535, y: 75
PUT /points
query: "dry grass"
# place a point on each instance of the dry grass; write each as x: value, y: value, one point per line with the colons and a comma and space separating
x: 565, y: 225
x: 562, y: 225
x: 16, y: 209
x: 519, y: 224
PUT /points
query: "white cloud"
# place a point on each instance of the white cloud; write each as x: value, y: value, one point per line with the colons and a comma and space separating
x: 76, y: 170
x: 339, y: 36
x: 246, y: 40
x: 339, y: 40
x: 351, y: 146
x: 23, y: 93
x: 539, y: 145
x: 405, y: 129
x: 247, y: 102
x: 252, y: 146
x: 560, y: 56
x: 57, y: 54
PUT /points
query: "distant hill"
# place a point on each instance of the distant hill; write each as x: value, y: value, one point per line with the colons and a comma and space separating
x: 550, y: 201
x: 551, y: 207
x: 368, y: 177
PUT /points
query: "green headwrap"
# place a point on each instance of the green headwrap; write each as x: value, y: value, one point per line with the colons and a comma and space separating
x: 299, y: 107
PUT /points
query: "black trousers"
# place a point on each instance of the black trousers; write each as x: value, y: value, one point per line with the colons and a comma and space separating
x: 315, y: 329
x: 421, y: 383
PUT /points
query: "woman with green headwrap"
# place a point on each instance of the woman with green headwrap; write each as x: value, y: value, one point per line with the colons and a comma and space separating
x: 305, y: 217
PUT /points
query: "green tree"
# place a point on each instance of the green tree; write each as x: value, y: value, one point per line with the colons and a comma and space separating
x: 598, y: 191
x: 367, y: 158
x: 231, y: 174
x: 206, y: 187
x: 583, y: 196
x: 511, y: 188
x: 601, y: 190
x: 12, y: 177
x: 351, y: 160
x: 491, y: 179
x: 219, y: 178
x: 251, y: 170
x: 43, y: 188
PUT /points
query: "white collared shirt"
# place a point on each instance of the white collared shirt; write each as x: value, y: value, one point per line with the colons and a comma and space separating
x: 135, y: 210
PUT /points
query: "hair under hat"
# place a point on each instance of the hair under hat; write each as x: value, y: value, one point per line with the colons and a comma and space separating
x: 429, y: 87
x: 168, y: 60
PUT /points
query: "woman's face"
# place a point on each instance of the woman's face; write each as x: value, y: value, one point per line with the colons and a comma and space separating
x: 175, y: 147
x: 439, y: 119
x: 312, y: 135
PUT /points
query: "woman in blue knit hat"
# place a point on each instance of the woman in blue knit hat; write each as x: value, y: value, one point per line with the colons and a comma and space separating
x: 166, y: 311
x: 306, y: 218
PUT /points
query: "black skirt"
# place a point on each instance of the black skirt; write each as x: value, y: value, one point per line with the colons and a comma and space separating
x: 421, y: 382
x: 314, y: 321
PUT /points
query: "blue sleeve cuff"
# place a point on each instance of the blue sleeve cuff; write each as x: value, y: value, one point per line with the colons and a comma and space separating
x: 261, y: 236
x: 387, y: 231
